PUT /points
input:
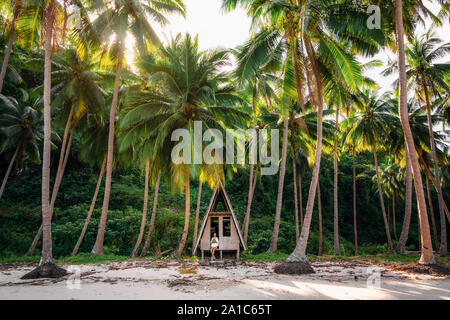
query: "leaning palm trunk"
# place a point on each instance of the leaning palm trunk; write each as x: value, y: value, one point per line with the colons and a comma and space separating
x: 335, y: 193
x: 319, y: 205
x: 197, y: 214
x: 427, y: 256
x: 355, y: 228
x: 276, y: 225
x: 433, y: 220
x: 151, y: 227
x: 383, y: 210
x: 8, y: 171
x: 186, y: 218
x: 144, y: 212
x: 7, y: 52
x: 297, y: 262
x: 408, y: 206
x: 98, y: 246
x: 443, y: 246
x: 91, y: 208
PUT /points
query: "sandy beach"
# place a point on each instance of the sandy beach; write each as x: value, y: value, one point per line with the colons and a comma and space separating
x: 159, y: 279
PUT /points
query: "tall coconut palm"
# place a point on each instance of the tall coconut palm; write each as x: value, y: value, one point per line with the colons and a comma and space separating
x: 367, y: 129
x: 427, y: 256
x: 121, y: 19
x: 181, y: 93
x: 22, y: 128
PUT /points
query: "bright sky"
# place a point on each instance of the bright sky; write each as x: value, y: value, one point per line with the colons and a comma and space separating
x: 217, y: 29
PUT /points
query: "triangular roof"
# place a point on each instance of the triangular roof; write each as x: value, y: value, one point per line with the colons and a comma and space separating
x: 219, y: 194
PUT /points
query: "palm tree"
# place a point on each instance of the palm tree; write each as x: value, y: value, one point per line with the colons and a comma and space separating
x: 255, y: 72
x: 427, y: 256
x: 367, y: 129
x: 22, y: 127
x: 77, y: 95
x: 123, y: 18
x: 179, y: 94
x: 426, y: 74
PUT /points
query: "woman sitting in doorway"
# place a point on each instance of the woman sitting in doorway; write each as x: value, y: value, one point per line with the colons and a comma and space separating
x: 214, y: 245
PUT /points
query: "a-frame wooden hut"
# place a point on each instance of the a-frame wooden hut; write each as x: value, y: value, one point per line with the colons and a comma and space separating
x: 220, y: 219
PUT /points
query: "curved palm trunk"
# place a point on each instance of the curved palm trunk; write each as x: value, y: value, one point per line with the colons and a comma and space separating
x: 383, y: 210
x: 294, y: 172
x: 319, y: 205
x: 46, y: 255
x: 186, y: 218
x: 197, y: 214
x: 8, y: 171
x: 151, y: 227
x: 443, y: 246
x: 433, y: 221
x: 8, y: 52
x: 408, y: 206
x: 298, y: 256
x: 91, y: 209
x: 98, y: 246
x: 337, y: 251
x: 276, y: 225
x: 433, y: 181
x: 427, y: 256
x: 144, y: 212
x: 355, y: 227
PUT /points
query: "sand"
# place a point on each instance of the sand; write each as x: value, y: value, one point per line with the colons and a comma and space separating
x: 159, y: 279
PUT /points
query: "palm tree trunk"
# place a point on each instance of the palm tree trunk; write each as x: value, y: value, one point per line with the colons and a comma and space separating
x: 250, y: 186
x: 427, y: 256
x: 144, y: 212
x: 7, y: 52
x: 294, y: 172
x: 433, y: 181
x: 98, y: 246
x: 408, y: 205
x: 186, y: 218
x: 46, y: 255
x: 383, y: 210
x: 197, y: 214
x: 61, y: 168
x: 296, y: 67
x: 319, y: 205
x: 355, y: 228
x: 276, y: 225
x: 152, y: 219
x: 335, y: 195
x: 393, y: 217
x: 433, y: 221
x: 35, y: 241
x: 298, y: 256
x: 8, y: 171
x: 300, y: 198
x: 91, y: 208
x: 443, y: 247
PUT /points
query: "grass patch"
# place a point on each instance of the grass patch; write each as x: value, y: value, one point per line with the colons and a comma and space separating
x: 86, y: 258
x: 20, y: 259
x: 277, y: 256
